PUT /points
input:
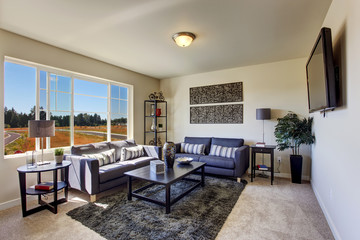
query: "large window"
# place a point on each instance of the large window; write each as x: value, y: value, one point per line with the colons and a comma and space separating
x: 85, y: 109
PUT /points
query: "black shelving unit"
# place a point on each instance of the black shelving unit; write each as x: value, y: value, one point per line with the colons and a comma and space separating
x: 151, y: 136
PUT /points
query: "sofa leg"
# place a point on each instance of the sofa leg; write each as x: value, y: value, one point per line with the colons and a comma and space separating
x: 93, y: 198
x: 238, y: 179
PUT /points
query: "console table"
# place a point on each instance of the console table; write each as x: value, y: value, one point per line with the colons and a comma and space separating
x: 268, y: 149
x: 63, y: 184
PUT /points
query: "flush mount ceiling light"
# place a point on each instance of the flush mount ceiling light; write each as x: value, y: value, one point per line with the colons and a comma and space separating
x: 183, y: 39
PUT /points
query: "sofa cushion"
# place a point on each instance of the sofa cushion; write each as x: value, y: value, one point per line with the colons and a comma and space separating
x: 128, y: 153
x: 221, y: 151
x: 193, y: 156
x: 104, y: 158
x: 228, y: 142
x: 220, y: 162
x: 200, y: 140
x: 116, y: 170
x: 89, y: 148
x: 192, y: 148
x: 118, y: 145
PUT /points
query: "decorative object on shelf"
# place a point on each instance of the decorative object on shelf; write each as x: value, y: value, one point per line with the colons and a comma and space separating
x: 157, y: 96
x: 59, y: 155
x: 157, y: 166
x: 217, y: 114
x: 169, y: 154
x: 262, y: 114
x: 31, y: 159
x: 153, y: 126
x: 160, y: 126
x: 183, y: 39
x: 41, y: 129
x: 158, y: 112
x: 291, y: 132
x: 159, y: 143
x: 221, y: 93
x: 152, y: 113
x: 152, y: 142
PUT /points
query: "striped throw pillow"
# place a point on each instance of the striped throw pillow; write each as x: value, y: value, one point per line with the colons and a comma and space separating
x: 128, y: 153
x: 104, y: 158
x: 192, y: 148
x: 221, y: 151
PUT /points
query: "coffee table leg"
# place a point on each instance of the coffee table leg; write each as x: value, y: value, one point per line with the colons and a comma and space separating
x: 129, y: 189
x: 202, y: 176
x: 167, y: 204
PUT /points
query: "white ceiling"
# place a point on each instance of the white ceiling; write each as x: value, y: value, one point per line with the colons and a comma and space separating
x: 136, y: 34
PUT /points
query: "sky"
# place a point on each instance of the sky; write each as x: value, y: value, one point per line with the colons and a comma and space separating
x: 20, y: 92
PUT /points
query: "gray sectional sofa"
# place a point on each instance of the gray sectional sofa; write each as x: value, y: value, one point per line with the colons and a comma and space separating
x: 226, y: 166
x: 86, y: 175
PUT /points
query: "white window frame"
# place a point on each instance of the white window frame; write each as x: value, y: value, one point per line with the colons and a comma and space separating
x: 80, y: 76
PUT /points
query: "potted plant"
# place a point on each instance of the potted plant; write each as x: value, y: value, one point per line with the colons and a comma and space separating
x: 59, y: 154
x: 292, y: 132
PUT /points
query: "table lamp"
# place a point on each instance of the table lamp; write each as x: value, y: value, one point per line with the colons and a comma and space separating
x: 41, y: 129
x: 263, y: 114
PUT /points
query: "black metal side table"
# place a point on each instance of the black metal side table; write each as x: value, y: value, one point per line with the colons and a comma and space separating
x: 268, y: 149
x: 58, y: 185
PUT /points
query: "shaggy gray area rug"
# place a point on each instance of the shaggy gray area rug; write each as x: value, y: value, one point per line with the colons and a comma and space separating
x: 198, y: 215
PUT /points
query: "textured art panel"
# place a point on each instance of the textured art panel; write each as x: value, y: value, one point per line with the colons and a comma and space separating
x: 214, y: 114
x: 221, y: 93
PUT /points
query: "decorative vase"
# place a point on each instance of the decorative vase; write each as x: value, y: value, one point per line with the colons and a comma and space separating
x: 153, y: 127
x: 296, y: 168
x: 169, y: 154
x: 158, y: 112
x: 59, y: 159
x: 152, y: 113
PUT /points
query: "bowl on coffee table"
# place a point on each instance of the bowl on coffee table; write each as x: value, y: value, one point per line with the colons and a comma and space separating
x: 184, y: 160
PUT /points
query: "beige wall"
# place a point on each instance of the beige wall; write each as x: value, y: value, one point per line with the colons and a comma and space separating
x: 16, y: 46
x: 280, y: 86
x: 335, y: 165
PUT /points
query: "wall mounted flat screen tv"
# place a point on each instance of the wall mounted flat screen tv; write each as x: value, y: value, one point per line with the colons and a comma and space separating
x: 320, y: 72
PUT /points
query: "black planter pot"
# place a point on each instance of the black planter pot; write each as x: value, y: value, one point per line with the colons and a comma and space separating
x: 296, y: 168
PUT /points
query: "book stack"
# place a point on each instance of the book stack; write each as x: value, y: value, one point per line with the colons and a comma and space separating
x: 260, y: 144
x: 262, y: 167
x: 44, y: 186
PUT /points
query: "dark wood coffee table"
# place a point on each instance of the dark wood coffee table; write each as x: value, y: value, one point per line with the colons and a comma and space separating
x: 178, y: 172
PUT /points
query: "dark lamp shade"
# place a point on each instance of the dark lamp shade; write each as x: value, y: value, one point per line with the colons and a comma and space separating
x: 263, y: 113
x: 41, y: 128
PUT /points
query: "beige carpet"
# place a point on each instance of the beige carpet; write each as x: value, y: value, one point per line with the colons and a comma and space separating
x: 281, y: 211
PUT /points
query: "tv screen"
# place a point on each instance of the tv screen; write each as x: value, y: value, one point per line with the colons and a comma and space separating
x: 320, y: 73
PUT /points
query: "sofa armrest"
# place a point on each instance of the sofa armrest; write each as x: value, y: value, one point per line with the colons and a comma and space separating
x: 84, y: 174
x: 152, y: 151
x: 241, y: 160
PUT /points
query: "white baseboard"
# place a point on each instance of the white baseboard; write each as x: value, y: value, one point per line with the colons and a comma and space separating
x: 285, y: 175
x: 327, y: 215
x: 10, y: 204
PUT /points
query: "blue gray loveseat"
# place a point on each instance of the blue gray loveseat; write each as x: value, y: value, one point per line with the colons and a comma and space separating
x: 223, y: 156
x: 98, y: 167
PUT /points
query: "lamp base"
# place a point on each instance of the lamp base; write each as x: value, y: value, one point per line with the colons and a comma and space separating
x: 43, y: 163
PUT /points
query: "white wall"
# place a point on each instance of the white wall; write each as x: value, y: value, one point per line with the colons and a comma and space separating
x: 335, y: 165
x: 24, y: 48
x: 280, y: 86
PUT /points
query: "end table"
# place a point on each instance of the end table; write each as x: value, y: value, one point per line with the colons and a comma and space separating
x: 63, y: 184
x: 268, y: 149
